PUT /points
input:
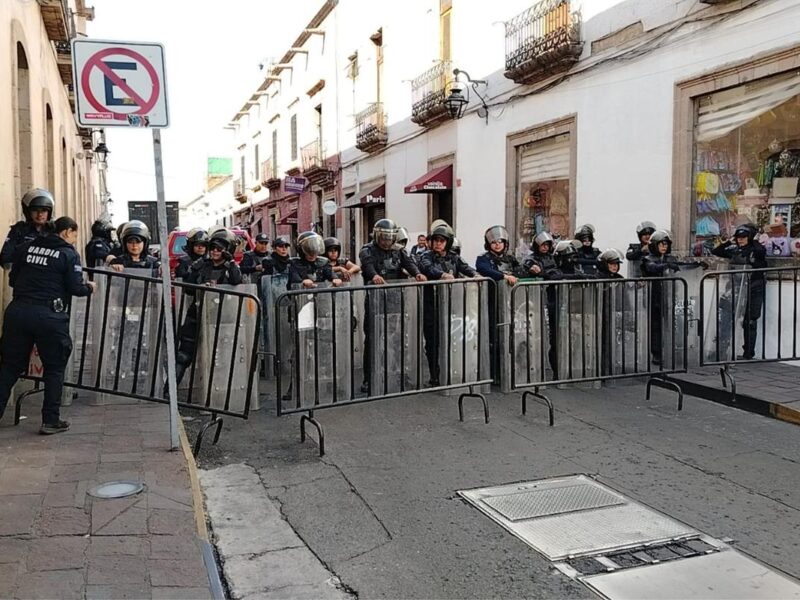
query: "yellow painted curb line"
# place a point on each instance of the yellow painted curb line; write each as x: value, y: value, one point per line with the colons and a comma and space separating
x: 784, y: 413
x: 197, y: 494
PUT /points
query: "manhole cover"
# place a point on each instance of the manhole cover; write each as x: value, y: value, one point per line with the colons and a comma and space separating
x: 116, y: 489
x: 554, y: 501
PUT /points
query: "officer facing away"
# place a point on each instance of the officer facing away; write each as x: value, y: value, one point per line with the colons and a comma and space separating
x: 37, y: 206
x: 100, y: 246
x: 744, y: 249
x: 46, y: 273
x: 196, y: 248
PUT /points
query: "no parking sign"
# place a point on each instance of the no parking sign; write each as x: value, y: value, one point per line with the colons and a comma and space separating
x: 119, y: 84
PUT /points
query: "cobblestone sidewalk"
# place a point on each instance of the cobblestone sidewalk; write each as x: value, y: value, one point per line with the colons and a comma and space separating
x: 56, y: 541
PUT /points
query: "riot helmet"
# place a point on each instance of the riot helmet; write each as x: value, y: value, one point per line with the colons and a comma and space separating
x: 497, y: 233
x: 566, y: 252
x: 609, y: 257
x: 102, y: 229
x: 332, y: 243
x: 585, y: 232
x: 438, y: 222
x: 196, y: 236
x: 747, y: 230
x: 224, y: 239
x: 445, y: 232
x: 310, y: 243
x: 281, y: 241
x: 38, y: 199
x: 402, y: 239
x: 384, y: 233
x: 120, y: 227
x: 662, y: 235
x: 645, y: 228
x: 135, y: 229
x: 543, y: 237
x: 456, y: 247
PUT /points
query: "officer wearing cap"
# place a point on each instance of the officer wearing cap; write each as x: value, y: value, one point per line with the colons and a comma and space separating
x: 279, y: 260
x: 37, y: 207
x: 45, y: 274
x: 253, y: 260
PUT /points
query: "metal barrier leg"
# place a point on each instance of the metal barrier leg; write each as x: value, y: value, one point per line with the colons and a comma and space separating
x: 665, y: 383
x: 309, y: 418
x: 726, y: 375
x: 541, y: 399
x: 215, y: 421
x: 472, y: 394
x: 23, y: 395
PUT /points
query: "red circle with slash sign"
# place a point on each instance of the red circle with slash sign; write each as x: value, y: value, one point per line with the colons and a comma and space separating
x: 97, y: 61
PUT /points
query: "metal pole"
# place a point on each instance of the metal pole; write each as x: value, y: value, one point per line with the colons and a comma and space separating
x: 172, y: 383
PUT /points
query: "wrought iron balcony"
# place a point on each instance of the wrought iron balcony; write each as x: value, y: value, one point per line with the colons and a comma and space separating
x: 64, y: 61
x: 542, y: 41
x: 269, y: 175
x: 315, y: 167
x: 238, y: 191
x: 428, y: 93
x: 371, y: 124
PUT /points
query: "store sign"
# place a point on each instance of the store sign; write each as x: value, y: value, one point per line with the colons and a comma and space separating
x: 435, y: 185
x: 375, y: 199
x: 294, y: 185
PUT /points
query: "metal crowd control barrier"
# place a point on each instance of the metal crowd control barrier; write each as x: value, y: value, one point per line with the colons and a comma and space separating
x: 749, y: 316
x: 121, y: 350
x: 582, y: 331
x: 417, y: 337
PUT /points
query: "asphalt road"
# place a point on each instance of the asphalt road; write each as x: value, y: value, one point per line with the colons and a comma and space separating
x: 380, y: 510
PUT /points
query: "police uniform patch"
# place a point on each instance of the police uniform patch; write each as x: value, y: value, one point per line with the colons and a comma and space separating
x: 78, y: 269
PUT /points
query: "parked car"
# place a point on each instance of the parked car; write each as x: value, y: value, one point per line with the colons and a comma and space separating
x: 177, y: 246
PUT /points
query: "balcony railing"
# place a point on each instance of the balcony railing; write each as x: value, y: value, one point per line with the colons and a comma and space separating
x: 542, y: 41
x: 371, y: 125
x: 428, y: 93
x: 57, y: 20
x: 315, y: 167
x: 238, y: 191
x: 63, y: 52
x: 269, y: 174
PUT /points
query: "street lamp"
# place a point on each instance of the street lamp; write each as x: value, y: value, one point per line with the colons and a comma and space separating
x: 102, y: 152
x: 457, y: 101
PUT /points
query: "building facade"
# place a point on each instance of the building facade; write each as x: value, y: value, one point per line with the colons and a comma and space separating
x: 571, y: 111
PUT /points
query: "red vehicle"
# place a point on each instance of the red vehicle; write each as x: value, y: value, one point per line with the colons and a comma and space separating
x: 176, y: 243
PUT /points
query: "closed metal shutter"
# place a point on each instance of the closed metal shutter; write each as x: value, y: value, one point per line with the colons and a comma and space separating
x: 545, y: 160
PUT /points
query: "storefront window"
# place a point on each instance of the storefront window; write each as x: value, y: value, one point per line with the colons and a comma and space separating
x: 747, y: 164
x: 543, y: 175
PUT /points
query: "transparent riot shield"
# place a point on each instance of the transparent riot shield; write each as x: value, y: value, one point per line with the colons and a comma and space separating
x: 125, y: 356
x: 529, y: 327
x: 226, y: 337
x: 394, y: 339
x: 623, y: 327
x: 728, y: 295
x: 463, y: 332
x: 272, y: 286
x: 577, y: 326
x: 679, y: 341
x: 634, y: 269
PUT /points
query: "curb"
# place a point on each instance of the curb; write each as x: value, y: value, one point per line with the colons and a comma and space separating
x: 210, y: 561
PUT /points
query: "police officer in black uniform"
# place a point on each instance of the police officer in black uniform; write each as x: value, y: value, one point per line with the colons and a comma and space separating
x: 609, y: 264
x: 253, y: 261
x: 438, y: 263
x: 744, y: 249
x: 636, y: 252
x: 37, y: 207
x: 135, y: 238
x: 100, y: 245
x: 196, y: 248
x: 343, y: 267
x: 586, y: 259
x: 117, y: 249
x: 381, y: 262
x: 46, y: 273
x: 309, y: 267
x: 279, y: 259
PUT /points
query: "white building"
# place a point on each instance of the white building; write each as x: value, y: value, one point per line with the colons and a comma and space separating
x: 599, y: 111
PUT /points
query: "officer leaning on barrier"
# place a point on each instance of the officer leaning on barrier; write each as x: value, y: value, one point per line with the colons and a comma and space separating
x: 196, y: 248
x: 637, y: 252
x: 279, y: 260
x: 609, y: 264
x: 744, y: 249
x: 46, y: 273
x: 496, y: 263
x: 37, y: 207
x: 100, y: 245
x: 541, y: 260
x: 586, y: 259
x: 439, y: 263
x: 135, y: 238
x: 309, y: 267
x: 343, y: 267
x: 253, y: 261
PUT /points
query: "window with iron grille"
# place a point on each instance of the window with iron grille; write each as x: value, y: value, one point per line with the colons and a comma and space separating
x: 274, y: 173
x: 293, y: 129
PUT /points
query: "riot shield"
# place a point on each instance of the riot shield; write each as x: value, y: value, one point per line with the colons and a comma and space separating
x: 125, y: 357
x: 225, y: 341
x: 577, y: 325
x: 272, y: 286
x: 529, y: 327
x: 728, y: 295
x: 623, y: 327
x: 394, y: 339
x: 463, y: 332
x: 634, y: 269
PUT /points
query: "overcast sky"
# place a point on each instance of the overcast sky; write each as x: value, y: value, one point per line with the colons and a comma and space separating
x: 212, y: 68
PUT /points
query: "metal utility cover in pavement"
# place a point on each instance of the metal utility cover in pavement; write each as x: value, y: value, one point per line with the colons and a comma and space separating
x: 566, y: 522
x: 726, y: 574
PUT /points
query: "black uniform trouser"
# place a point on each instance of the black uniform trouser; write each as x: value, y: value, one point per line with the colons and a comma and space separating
x: 430, y: 329
x: 755, y: 304
x: 552, y: 324
x: 656, y: 317
x: 23, y: 326
x: 187, y: 341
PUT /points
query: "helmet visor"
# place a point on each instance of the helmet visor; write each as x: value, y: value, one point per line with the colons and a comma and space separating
x: 386, y: 236
x: 498, y: 233
x: 312, y: 245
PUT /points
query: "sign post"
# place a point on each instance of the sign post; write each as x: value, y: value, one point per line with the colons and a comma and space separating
x: 123, y: 84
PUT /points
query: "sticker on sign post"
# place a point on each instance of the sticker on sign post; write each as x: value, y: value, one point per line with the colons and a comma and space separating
x: 119, y: 84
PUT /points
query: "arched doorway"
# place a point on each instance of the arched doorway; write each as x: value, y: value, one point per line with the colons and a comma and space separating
x: 23, y: 172
x: 50, y: 157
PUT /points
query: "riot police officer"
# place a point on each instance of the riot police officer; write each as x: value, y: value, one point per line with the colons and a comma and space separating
x: 402, y: 239
x: 609, y: 264
x: 541, y: 260
x: 744, y: 249
x: 382, y: 262
x: 37, y: 207
x: 310, y: 267
x: 45, y: 275
x: 117, y: 248
x: 586, y: 259
x: 636, y: 252
x: 343, y: 267
x: 100, y: 245
x: 135, y: 238
x: 253, y: 260
x: 196, y: 248
x: 496, y: 263
x: 279, y: 260
x: 438, y: 263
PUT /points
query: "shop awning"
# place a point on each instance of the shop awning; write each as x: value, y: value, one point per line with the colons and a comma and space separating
x: 376, y: 196
x: 289, y: 219
x: 433, y: 181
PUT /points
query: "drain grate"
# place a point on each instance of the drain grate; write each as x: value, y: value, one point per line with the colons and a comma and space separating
x: 552, y: 501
